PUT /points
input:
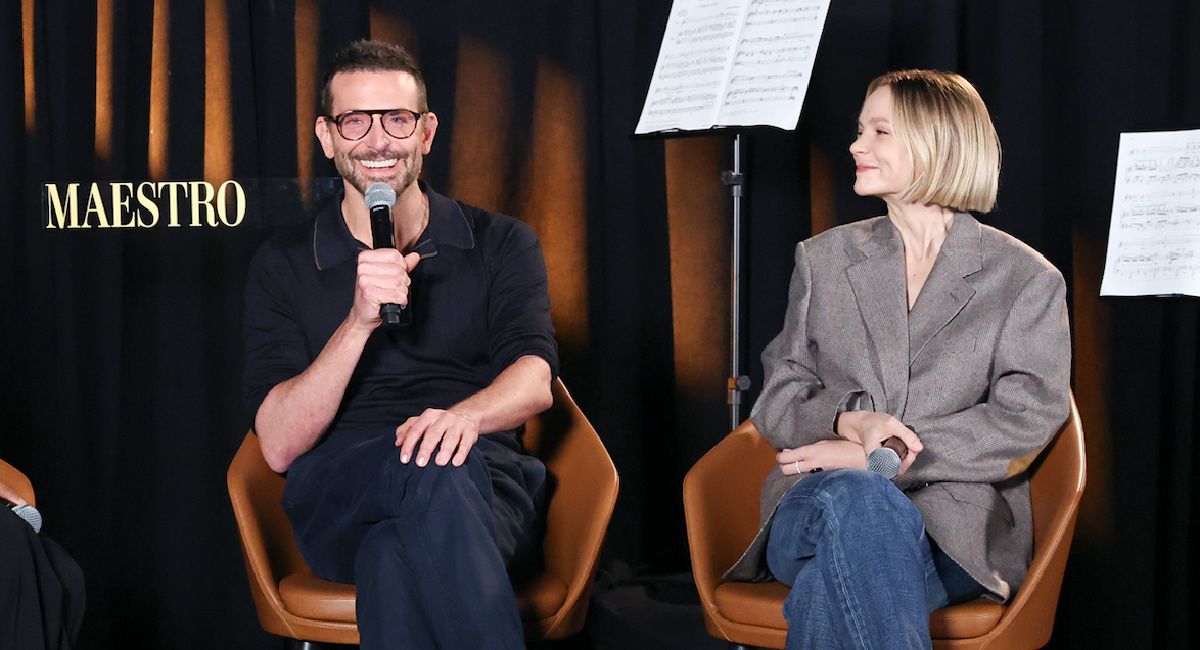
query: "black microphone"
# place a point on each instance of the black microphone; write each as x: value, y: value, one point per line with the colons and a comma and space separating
x: 380, y: 200
x: 29, y: 513
x: 886, y: 459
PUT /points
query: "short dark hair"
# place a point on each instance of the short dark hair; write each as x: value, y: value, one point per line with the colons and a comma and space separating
x: 373, y: 56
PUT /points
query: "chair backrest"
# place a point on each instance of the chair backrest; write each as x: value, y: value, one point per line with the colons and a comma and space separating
x: 1057, y: 482
x: 13, y: 478
x: 584, y: 493
x: 721, y: 502
x: 268, y: 547
x: 1058, y: 479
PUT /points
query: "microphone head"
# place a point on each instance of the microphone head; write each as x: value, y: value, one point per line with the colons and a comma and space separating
x: 31, y: 516
x: 884, y: 461
x: 379, y: 194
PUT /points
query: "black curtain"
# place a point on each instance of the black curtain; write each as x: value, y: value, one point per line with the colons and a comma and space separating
x: 120, y: 354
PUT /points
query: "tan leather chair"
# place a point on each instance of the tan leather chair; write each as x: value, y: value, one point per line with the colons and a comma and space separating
x: 292, y: 602
x: 13, y: 478
x: 721, y: 503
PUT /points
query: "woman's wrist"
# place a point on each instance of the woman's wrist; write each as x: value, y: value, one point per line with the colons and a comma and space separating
x: 845, y: 424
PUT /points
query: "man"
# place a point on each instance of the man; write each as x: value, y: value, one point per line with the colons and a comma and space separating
x: 405, y: 474
x: 41, y: 586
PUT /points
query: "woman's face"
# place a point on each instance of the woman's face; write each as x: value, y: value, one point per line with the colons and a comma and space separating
x: 882, y: 165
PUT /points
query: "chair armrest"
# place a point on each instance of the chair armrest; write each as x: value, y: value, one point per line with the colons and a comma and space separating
x: 1059, y: 477
x: 585, y: 491
x: 721, y: 503
x: 268, y: 547
x: 13, y: 478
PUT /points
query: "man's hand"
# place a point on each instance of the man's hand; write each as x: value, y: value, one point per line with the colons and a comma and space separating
x: 821, y: 455
x: 450, y: 432
x: 382, y: 277
x: 870, y: 429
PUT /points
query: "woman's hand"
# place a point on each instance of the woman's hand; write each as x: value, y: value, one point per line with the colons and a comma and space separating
x: 821, y: 455
x: 870, y: 429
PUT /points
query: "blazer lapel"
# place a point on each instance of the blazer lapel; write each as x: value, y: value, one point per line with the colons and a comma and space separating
x: 946, y: 291
x: 878, y: 284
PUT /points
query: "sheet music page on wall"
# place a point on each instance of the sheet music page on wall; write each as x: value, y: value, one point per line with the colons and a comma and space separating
x: 1154, y: 235
x: 733, y: 63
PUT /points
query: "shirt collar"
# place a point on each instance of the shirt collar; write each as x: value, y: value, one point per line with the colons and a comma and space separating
x: 449, y: 225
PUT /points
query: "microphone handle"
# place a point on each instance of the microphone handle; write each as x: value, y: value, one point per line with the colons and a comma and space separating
x: 897, y: 445
x: 383, y: 235
x: 389, y: 313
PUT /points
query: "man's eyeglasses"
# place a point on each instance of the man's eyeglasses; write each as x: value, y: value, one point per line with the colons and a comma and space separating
x: 397, y: 122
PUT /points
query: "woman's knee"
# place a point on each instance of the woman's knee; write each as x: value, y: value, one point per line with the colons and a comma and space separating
x: 858, y: 499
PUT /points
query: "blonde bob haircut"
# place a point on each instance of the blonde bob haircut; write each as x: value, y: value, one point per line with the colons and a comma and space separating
x: 942, y: 121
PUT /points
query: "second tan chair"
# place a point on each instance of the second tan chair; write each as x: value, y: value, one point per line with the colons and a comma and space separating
x: 13, y: 478
x: 293, y: 603
x: 720, y: 496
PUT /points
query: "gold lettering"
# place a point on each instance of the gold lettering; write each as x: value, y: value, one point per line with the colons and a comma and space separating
x: 120, y: 205
x: 239, y: 197
x: 57, y: 207
x: 209, y: 214
x: 173, y: 188
x: 148, y: 203
x: 95, y: 205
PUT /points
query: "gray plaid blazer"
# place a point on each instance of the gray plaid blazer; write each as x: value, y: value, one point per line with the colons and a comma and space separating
x: 980, y: 369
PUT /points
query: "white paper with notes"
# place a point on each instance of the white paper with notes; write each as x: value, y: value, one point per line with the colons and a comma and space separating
x: 733, y: 63
x: 1154, y: 235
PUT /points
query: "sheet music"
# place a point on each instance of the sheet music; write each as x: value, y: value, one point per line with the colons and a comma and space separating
x: 733, y: 63
x: 1154, y: 235
x: 773, y: 63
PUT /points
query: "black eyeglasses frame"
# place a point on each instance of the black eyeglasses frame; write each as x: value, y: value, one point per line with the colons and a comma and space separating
x: 337, y: 121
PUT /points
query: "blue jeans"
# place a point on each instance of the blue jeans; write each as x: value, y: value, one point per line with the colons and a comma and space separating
x: 862, y: 572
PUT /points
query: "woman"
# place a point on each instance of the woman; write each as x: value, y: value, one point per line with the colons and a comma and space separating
x: 924, y: 325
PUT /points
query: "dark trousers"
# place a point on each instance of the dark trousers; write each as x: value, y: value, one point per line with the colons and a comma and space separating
x: 41, y: 589
x: 430, y: 548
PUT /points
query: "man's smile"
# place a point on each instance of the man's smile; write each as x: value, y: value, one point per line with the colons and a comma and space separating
x: 379, y: 164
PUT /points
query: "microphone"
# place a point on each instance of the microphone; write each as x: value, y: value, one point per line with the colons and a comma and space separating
x: 886, y: 459
x: 380, y: 199
x: 29, y: 513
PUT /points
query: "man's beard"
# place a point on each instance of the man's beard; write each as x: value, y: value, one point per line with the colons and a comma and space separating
x: 408, y: 168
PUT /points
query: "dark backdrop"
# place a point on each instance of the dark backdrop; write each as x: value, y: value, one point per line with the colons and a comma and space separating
x: 120, y: 349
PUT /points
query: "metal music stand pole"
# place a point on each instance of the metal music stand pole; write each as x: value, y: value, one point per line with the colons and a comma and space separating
x: 737, y: 382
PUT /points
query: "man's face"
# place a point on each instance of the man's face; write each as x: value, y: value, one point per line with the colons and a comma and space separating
x: 377, y: 156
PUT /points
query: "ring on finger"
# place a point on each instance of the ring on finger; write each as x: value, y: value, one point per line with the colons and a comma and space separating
x: 798, y: 468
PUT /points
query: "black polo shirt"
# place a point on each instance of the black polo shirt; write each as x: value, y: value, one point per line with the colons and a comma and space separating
x: 478, y: 296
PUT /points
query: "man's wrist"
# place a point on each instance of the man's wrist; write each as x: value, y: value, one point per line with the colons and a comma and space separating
x: 356, y: 327
x: 466, y: 414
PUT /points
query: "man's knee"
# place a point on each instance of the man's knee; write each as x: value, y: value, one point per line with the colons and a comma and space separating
x: 449, y: 488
